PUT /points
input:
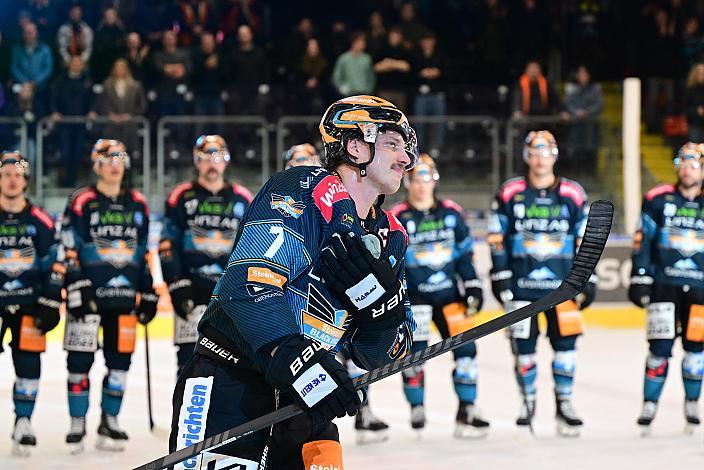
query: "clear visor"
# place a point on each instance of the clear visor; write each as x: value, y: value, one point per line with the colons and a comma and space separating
x: 114, y: 158
x: 543, y: 152
x: 213, y: 156
x: 21, y: 165
x: 688, y: 160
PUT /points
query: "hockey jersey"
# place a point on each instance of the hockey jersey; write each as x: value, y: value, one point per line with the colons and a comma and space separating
x: 199, y: 231
x: 271, y: 288
x: 105, y: 240
x: 534, y: 233
x: 669, y: 242
x: 440, y: 252
x: 28, y: 249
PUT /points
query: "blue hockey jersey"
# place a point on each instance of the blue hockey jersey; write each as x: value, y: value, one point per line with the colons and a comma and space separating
x: 271, y: 289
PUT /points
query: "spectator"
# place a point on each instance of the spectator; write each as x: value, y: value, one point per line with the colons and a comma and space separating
x: 250, y: 74
x: 109, y: 44
x: 583, y: 103
x: 393, y: 69
x: 411, y: 28
x: 339, y: 40
x: 492, y: 42
x: 533, y: 93
x: 122, y: 98
x: 430, y: 66
x: 694, y: 103
x: 172, y: 69
x: 353, y: 73
x: 71, y: 96
x: 46, y: 15
x: 136, y: 56
x: 196, y: 17
x: 75, y: 37
x: 208, y: 79
x: 298, y: 41
x: 692, y: 44
x: 312, y: 70
x: 376, y: 33
x: 153, y: 18
x: 240, y: 12
x: 31, y: 65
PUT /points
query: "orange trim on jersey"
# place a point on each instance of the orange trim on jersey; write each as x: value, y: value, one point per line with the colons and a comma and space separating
x: 176, y: 193
x: 43, y: 217
x: 659, y: 191
x: 242, y: 191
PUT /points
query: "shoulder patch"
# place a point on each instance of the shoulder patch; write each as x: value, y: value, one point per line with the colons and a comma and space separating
x: 659, y: 191
x: 139, y: 197
x: 242, y: 191
x: 394, y: 224
x: 396, y: 209
x: 176, y: 193
x: 43, y: 217
x: 326, y: 193
x: 450, y: 204
x: 80, y: 198
x: 573, y: 190
x: 512, y: 187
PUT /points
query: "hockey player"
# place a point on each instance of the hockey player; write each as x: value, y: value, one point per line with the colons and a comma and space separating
x: 31, y: 283
x: 201, y: 219
x: 302, y: 155
x: 285, y: 305
x: 438, y: 262
x: 668, y: 280
x: 536, y: 225
x: 104, y: 234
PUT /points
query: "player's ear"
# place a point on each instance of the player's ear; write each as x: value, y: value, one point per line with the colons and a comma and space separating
x: 355, y: 148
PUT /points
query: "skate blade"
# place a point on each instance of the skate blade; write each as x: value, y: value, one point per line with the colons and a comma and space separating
x: 645, y: 430
x: 20, y: 450
x: 370, y: 437
x: 110, y: 445
x: 565, y: 430
x: 75, y: 448
x: 465, y: 431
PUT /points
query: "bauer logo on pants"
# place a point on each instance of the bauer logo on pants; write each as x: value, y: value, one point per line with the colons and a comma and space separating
x: 193, y: 416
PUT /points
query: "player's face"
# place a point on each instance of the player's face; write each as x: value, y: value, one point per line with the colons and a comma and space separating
x: 541, y: 162
x: 421, y: 186
x: 389, y: 164
x: 211, y: 166
x: 302, y: 159
x: 690, y: 173
x: 110, y: 167
x: 12, y: 181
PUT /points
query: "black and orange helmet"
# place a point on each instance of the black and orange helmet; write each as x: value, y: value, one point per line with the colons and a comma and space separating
x: 302, y: 154
x: 102, y: 147
x: 425, y: 168
x: 210, y: 145
x: 689, y: 151
x: 540, y: 143
x: 14, y: 157
x: 362, y: 117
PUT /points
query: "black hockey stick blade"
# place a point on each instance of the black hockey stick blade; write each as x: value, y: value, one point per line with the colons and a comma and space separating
x: 150, y: 413
x: 593, y: 243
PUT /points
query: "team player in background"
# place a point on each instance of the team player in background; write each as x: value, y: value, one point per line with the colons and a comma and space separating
x: 30, y: 289
x: 368, y: 427
x: 317, y: 266
x: 536, y: 226
x: 104, y: 234
x: 201, y: 219
x: 667, y: 279
x: 443, y: 288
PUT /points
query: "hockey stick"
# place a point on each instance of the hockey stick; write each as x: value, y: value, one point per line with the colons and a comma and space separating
x: 593, y: 242
x: 154, y: 429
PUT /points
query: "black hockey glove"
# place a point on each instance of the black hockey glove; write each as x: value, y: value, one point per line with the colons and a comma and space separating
x: 319, y: 383
x: 80, y: 298
x: 475, y: 299
x: 368, y: 286
x: 146, y: 311
x: 501, y: 283
x: 640, y: 290
x: 181, y: 293
x: 585, y: 298
x: 46, y: 314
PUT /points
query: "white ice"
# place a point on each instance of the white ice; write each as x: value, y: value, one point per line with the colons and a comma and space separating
x: 607, y: 395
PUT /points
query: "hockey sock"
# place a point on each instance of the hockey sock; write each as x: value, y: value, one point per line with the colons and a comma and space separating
x: 563, y: 366
x: 355, y: 372
x: 528, y: 370
x: 414, y: 385
x: 24, y: 394
x: 692, y: 372
x: 113, y: 391
x: 655, y: 374
x: 464, y: 378
x: 78, y: 388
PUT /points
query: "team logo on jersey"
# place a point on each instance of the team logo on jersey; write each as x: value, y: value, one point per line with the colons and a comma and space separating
x: 686, y: 241
x: 262, y: 293
x: 116, y: 252
x: 214, y: 243
x: 287, y: 206
x: 519, y: 211
x: 542, y: 246
x: 347, y: 219
x: 542, y: 274
x: 15, y: 284
x: 669, y: 210
x: 450, y: 221
x: 238, y: 210
x: 211, y: 269
x: 322, y: 322
x: 326, y: 193
x: 434, y: 255
x: 15, y: 261
x: 119, y: 281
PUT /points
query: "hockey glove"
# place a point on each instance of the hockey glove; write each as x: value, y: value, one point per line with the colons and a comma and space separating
x: 585, y: 298
x: 80, y: 298
x: 501, y: 285
x: 475, y: 300
x: 46, y: 314
x: 368, y: 286
x: 639, y: 291
x: 146, y: 311
x: 319, y: 383
x: 181, y: 293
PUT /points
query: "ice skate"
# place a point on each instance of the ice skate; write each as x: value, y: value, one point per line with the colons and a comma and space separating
x: 469, y: 423
x: 76, y: 434
x: 646, y: 417
x: 418, y: 418
x: 691, y: 414
x: 568, y: 423
x: 110, y: 436
x: 23, y: 438
x: 525, y: 416
x: 369, y: 428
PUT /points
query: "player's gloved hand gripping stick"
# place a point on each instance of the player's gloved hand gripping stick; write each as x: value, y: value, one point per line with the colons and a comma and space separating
x: 593, y: 242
